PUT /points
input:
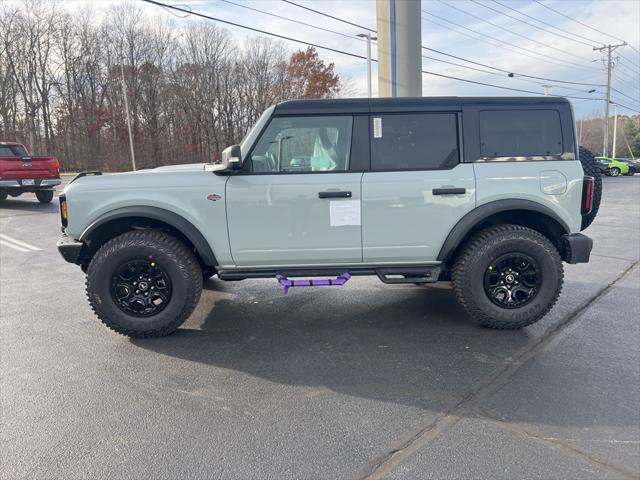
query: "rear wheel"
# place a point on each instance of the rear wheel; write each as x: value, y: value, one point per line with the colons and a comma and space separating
x: 590, y: 167
x: 144, y: 283
x: 3, y: 196
x: 508, y: 276
x: 614, y: 171
x: 44, y: 196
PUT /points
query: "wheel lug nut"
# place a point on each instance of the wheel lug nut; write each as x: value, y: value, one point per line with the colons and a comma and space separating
x: 137, y: 291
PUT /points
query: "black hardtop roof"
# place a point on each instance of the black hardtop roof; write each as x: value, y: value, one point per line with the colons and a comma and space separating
x: 365, y: 105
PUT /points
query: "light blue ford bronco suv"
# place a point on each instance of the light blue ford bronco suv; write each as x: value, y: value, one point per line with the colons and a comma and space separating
x: 487, y: 193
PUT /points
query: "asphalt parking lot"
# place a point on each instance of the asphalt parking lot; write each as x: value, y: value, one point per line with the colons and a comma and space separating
x: 365, y: 381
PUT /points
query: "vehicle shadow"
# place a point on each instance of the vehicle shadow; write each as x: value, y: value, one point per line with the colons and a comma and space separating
x: 29, y: 204
x: 409, y: 345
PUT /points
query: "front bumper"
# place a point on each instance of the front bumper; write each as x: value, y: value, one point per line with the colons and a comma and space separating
x: 577, y: 248
x: 70, y: 249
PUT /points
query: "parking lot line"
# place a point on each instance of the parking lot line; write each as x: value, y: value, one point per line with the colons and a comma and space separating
x: 15, y: 247
x: 17, y: 244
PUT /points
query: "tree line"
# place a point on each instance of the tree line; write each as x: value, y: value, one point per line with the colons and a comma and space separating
x: 590, y: 133
x: 191, y: 88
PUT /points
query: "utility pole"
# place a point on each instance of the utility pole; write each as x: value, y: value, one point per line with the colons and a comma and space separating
x: 580, y: 133
x: 126, y: 109
x: 609, y: 48
x: 399, y: 48
x: 546, y: 89
x: 615, y: 128
x: 368, y: 37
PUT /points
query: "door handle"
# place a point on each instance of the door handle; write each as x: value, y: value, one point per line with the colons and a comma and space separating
x: 335, y: 194
x: 449, y: 191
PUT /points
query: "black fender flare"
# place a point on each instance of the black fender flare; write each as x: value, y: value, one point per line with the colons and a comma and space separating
x: 478, y: 214
x: 170, y: 218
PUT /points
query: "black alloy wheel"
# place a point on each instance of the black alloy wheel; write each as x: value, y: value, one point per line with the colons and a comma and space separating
x: 512, y: 280
x: 141, y: 288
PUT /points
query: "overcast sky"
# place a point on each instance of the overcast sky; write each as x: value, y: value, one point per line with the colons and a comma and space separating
x: 616, y: 17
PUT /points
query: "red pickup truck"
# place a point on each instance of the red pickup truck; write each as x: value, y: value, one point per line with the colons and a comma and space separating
x: 20, y: 172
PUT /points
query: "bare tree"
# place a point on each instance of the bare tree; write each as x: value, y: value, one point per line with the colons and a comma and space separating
x: 191, y: 89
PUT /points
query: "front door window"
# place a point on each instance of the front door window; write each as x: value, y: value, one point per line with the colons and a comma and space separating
x: 303, y: 145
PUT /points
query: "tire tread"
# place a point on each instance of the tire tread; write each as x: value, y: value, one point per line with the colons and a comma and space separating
x: 172, y: 247
x: 459, y: 274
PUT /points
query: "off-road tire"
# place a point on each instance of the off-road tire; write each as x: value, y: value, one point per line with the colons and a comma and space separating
x: 44, y: 196
x: 474, y: 259
x: 590, y: 167
x: 180, y: 264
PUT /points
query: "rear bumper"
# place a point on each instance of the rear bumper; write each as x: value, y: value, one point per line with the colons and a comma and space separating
x: 577, y: 248
x: 38, y: 184
x: 70, y: 249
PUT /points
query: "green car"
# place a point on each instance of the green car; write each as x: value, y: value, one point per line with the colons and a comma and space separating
x: 615, y: 167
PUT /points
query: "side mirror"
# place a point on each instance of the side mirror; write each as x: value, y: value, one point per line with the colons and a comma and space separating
x: 232, y: 158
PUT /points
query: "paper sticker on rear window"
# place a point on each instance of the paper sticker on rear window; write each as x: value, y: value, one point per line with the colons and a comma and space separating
x: 377, y: 127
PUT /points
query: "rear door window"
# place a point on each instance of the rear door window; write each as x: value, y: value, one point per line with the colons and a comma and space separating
x: 414, y: 141
x: 520, y: 133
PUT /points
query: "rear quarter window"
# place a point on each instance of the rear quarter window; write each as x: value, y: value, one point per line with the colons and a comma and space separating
x: 520, y: 133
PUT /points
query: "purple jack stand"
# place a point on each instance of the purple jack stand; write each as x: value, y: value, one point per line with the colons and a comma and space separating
x: 323, y: 282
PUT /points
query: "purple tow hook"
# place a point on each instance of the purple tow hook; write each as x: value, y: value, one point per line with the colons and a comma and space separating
x: 322, y: 282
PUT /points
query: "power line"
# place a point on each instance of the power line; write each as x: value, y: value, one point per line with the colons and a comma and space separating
x: 628, y: 76
x: 581, y: 23
x: 544, y: 58
x: 505, y: 48
x: 292, y: 20
x: 277, y: 35
x: 371, y: 30
x: 631, y: 67
x: 502, y: 87
x: 537, y: 27
x: 512, y: 73
x: 330, y: 16
x: 515, y: 33
x: 590, y: 44
x: 637, y: 99
x: 264, y: 32
x: 624, y: 82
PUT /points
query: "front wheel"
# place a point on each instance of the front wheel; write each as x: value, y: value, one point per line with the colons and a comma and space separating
x: 3, y: 196
x: 44, y: 196
x: 507, y: 276
x: 614, y: 172
x: 144, y: 283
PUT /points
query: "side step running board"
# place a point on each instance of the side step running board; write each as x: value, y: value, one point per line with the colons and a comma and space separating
x: 322, y: 282
x: 409, y: 274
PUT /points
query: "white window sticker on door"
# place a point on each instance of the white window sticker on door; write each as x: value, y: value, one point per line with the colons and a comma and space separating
x: 377, y: 127
x: 344, y: 212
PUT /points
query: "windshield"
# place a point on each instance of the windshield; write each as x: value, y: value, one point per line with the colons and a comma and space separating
x: 12, y: 151
x: 250, y: 137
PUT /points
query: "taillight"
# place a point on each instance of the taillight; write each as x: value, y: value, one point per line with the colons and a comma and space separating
x: 588, y: 184
x: 64, y: 214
